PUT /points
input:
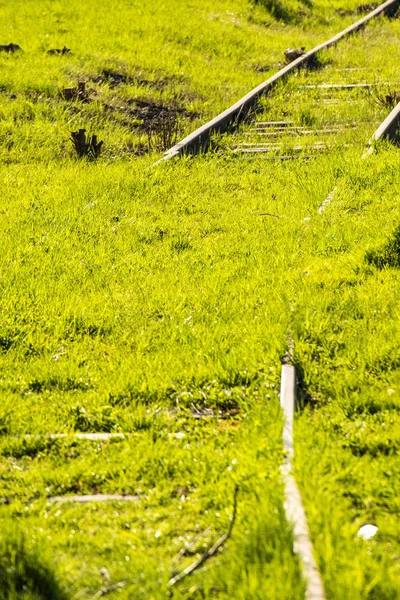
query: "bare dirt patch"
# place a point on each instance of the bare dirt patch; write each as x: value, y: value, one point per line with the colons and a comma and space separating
x: 114, y: 79
x: 362, y: 9
x: 10, y: 48
x: 161, y: 123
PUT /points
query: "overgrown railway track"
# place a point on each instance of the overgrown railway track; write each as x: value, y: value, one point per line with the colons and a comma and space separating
x: 243, y: 109
x: 284, y: 120
x: 278, y: 127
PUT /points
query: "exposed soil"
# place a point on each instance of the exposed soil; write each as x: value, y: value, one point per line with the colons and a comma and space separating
x: 10, y: 48
x: 115, y: 79
x: 209, y: 413
x: 150, y: 111
x: 139, y: 149
x: 158, y: 122
x: 146, y: 115
x: 161, y: 123
x: 365, y: 8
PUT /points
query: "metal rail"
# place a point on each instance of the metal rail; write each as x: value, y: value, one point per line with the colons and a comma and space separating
x: 386, y: 130
x: 200, y: 138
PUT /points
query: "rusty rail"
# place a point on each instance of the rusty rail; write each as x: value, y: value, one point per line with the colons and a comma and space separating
x: 200, y: 138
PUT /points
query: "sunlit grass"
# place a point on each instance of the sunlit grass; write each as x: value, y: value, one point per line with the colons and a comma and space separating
x: 156, y: 301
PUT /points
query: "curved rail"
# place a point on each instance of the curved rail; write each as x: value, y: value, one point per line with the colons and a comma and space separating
x: 200, y: 138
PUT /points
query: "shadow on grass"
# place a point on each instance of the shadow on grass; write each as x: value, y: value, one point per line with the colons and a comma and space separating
x: 387, y: 256
x: 277, y: 10
x: 315, y: 63
x: 303, y: 396
x: 282, y: 12
x: 25, y: 574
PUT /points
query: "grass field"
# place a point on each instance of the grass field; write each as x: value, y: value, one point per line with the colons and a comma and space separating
x: 156, y: 302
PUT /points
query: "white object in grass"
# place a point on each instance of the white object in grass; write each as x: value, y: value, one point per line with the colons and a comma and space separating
x: 366, y: 532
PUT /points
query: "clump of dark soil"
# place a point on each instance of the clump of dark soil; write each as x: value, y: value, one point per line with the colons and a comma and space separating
x: 115, y: 79
x: 161, y: 123
x: 10, y: 48
x: 76, y: 93
x: 59, y: 51
x: 139, y: 149
x: 150, y: 111
x: 262, y: 68
x: 365, y: 8
x: 139, y: 114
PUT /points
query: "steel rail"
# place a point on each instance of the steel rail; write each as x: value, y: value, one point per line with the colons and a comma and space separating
x: 294, y: 509
x: 386, y: 130
x: 200, y: 138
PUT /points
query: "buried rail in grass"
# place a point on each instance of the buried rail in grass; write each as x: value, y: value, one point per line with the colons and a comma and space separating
x: 80, y: 436
x: 93, y: 498
x: 387, y: 130
x: 200, y: 138
x: 294, y: 509
x: 346, y: 86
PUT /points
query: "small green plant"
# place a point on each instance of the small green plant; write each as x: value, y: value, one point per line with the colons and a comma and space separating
x: 163, y: 131
x: 388, y: 98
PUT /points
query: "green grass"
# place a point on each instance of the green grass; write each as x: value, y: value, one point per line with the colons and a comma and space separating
x: 185, y: 485
x: 346, y: 332
x: 156, y: 301
x: 194, y: 58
